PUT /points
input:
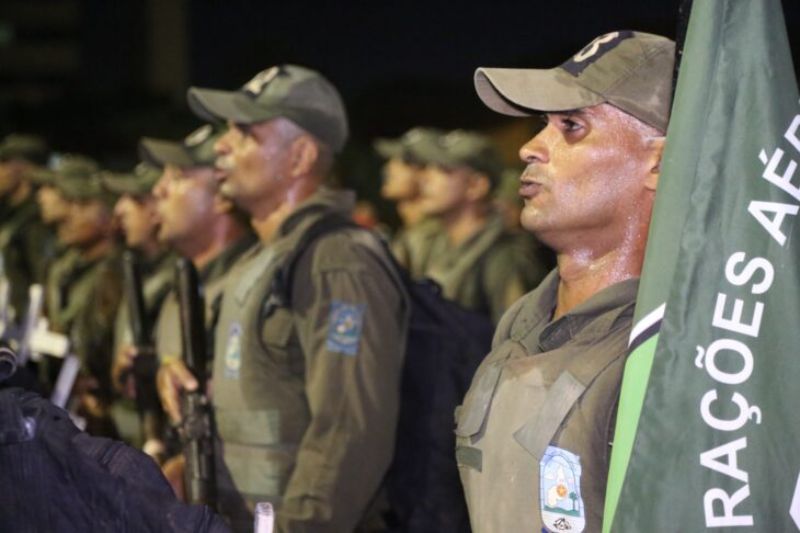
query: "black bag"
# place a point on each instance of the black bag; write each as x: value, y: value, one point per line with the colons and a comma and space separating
x: 445, y: 345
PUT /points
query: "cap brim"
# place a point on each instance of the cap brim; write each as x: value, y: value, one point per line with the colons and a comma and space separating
x: 219, y: 106
x: 160, y: 153
x: 522, y: 92
x: 42, y: 177
x: 120, y: 186
x: 388, y: 148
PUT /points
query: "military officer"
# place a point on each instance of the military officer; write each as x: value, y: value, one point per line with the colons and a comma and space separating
x: 534, y: 430
x: 477, y: 261
x: 306, y: 393
x: 198, y: 223
x: 136, y: 214
x: 26, y: 243
x: 89, y: 294
x: 402, y: 184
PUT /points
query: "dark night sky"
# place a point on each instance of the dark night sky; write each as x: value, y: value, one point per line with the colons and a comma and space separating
x: 398, y: 64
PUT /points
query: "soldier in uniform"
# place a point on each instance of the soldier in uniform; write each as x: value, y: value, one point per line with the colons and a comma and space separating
x: 306, y: 392
x: 198, y: 223
x: 26, y: 243
x: 477, y: 261
x: 136, y: 213
x: 401, y: 184
x: 534, y: 430
x: 90, y: 292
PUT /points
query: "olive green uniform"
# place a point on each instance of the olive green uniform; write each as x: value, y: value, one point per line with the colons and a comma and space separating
x: 547, y: 391
x: 27, y: 246
x: 212, y: 278
x: 306, y: 399
x: 92, y: 292
x: 486, y: 273
x: 157, y: 278
x: 411, y: 246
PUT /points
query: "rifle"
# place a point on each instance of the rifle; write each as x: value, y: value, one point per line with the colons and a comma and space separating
x: 197, y: 427
x: 145, y: 365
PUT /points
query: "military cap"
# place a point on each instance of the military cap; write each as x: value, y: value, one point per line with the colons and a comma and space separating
x: 404, y: 146
x: 65, y: 166
x: 629, y: 70
x: 28, y: 147
x: 196, y: 150
x: 139, y: 182
x: 77, y: 178
x: 297, y: 93
x: 461, y: 148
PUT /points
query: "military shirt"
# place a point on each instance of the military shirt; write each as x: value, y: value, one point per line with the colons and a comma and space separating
x: 486, y: 273
x: 157, y: 278
x: 212, y: 278
x: 87, y: 315
x: 306, y: 397
x: 27, y: 246
x: 411, y: 246
x: 534, y: 431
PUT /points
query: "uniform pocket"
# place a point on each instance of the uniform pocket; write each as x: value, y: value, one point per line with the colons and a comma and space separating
x: 277, y: 329
x: 470, y: 416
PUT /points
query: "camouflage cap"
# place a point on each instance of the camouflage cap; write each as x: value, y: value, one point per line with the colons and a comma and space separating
x: 460, y: 148
x: 195, y: 150
x: 297, y: 93
x: 28, y: 147
x: 629, y: 70
x: 139, y: 182
x: 404, y: 145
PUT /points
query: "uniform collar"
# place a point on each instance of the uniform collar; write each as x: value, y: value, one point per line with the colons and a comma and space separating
x: 221, y: 264
x: 594, y: 318
x: 324, y: 200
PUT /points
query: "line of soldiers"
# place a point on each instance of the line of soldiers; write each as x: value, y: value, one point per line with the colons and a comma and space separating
x: 305, y: 380
x: 67, y: 221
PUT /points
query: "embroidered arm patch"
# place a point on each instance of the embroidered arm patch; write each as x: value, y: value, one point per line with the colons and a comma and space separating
x: 345, y: 324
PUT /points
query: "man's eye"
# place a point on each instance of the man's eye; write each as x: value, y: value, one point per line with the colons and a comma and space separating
x: 568, y: 124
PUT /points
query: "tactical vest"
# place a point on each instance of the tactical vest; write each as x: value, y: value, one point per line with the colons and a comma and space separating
x: 461, y: 278
x: 259, y: 388
x: 526, y: 406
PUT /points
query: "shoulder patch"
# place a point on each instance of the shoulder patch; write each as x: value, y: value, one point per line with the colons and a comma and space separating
x: 233, y: 352
x: 560, y: 491
x: 345, y: 325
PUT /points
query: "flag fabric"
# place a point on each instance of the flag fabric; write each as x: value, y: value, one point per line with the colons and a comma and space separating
x: 708, y: 428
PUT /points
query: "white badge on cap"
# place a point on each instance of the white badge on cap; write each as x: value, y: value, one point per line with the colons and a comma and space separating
x: 256, y: 85
x: 199, y: 136
x: 591, y: 49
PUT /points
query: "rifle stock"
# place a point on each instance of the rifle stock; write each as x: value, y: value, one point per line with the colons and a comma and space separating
x: 197, y: 428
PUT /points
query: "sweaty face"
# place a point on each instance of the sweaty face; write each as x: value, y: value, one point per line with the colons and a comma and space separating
x: 86, y: 223
x: 443, y: 190
x: 184, y: 202
x: 253, y: 162
x: 137, y: 217
x: 400, y: 180
x: 52, y: 206
x: 584, y: 175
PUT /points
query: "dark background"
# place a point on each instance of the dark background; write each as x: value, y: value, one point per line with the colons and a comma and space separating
x: 95, y: 75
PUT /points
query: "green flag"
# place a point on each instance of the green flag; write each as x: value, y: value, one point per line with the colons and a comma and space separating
x: 708, y: 428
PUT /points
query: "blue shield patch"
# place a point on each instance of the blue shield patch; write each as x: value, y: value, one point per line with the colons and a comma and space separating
x: 345, y: 324
x: 233, y: 352
x: 560, y: 491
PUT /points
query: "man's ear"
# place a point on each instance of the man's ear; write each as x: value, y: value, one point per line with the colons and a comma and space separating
x: 479, y: 186
x: 655, y: 148
x: 304, y: 155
